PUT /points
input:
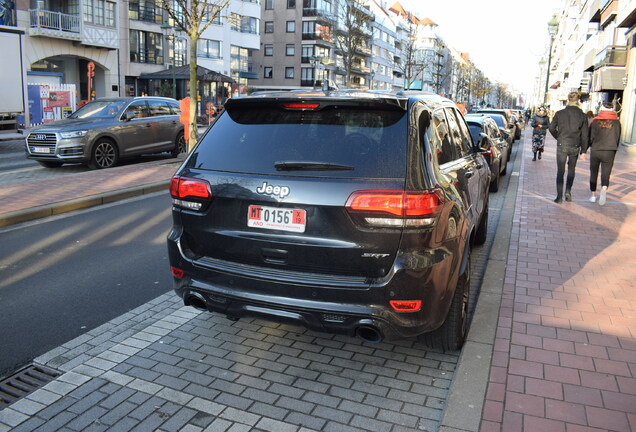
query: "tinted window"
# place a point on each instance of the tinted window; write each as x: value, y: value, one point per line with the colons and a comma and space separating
x: 499, y: 120
x: 139, y: 108
x: 99, y: 109
x: 158, y: 108
x: 174, y: 107
x: 466, y: 142
x: 475, y: 130
x: 455, y: 132
x: 440, y: 139
x: 253, y: 140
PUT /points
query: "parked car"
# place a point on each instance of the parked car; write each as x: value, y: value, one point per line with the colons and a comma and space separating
x: 104, y: 131
x: 510, y: 123
x: 494, y: 147
x: 506, y: 129
x: 328, y: 211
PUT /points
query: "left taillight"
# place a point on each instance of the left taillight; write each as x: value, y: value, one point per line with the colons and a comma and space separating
x: 190, y: 193
x: 396, y: 208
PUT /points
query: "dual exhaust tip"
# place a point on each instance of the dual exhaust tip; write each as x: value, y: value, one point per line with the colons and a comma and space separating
x: 366, y: 332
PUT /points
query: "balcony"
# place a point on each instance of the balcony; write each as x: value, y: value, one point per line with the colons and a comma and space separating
x: 609, y: 9
x: 319, y: 13
x: 613, y: 55
x: 54, y: 24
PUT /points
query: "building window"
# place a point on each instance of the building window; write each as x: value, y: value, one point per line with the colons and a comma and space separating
x: 145, y: 10
x: 291, y: 26
x: 146, y: 47
x: 99, y: 12
x: 307, y: 75
x: 235, y: 22
x: 208, y: 48
x: 291, y: 4
x: 268, y: 49
x: 289, y: 72
x: 267, y: 71
x: 179, y: 54
x: 290, y: 50
x: 239, y: 59
x: 269, y: 4
x: 269, y: 26
x: 249, y: 25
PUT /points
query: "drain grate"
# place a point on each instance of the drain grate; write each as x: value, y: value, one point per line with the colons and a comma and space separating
x: 25, y: 382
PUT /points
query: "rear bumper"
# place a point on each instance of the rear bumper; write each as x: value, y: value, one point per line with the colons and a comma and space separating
x: 344, y: 309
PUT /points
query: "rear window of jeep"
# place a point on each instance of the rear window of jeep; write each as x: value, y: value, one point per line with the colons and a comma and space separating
x: 357, y: 142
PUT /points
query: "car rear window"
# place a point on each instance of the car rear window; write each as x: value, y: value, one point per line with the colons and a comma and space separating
x: 359, y: 141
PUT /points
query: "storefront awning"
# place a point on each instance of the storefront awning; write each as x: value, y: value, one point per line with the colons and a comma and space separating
x: 183, y: 73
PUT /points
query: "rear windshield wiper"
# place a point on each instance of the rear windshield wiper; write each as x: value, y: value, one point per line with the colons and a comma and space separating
x: 310, y: 166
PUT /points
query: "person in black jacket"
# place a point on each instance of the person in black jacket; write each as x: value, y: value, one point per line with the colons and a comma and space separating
x: 605, y: 135
x: 540, y: 123
x: 569, y: 127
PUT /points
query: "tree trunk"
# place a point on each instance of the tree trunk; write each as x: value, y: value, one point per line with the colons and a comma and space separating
x: 192, y: 141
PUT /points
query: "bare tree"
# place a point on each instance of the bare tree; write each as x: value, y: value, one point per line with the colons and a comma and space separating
x: 353, y: 32
x: 193, y: 17
x: 413, y: 63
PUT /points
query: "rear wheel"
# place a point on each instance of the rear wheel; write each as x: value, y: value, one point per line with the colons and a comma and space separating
x: 105, y: 155
x: 50, y: 164
x: 452, y: 334
x: 180, y: 145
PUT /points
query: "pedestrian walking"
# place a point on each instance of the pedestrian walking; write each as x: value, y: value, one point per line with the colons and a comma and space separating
x: 605, y: 134
x: 569, y: 127
x: 540, y: 123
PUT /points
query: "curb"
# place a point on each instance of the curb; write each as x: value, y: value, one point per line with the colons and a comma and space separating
x: 57, y: 208
x: 467, y: 394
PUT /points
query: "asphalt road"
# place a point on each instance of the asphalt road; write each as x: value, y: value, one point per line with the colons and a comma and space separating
x: 63, y: 276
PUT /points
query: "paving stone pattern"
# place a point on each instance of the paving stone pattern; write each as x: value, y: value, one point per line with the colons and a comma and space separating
x: 166, y: 367
x: 565, y: 352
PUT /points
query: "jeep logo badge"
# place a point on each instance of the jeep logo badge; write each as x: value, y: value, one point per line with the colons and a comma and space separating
x: 280, y: 191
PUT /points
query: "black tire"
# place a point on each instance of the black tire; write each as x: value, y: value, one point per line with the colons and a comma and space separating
x: 104, y: 155
x: 180, y: 145
x: 50, y: 164
x: 482, y: 229
x: 503, y: 171
x: 452, y: 334
x: 494, y: 183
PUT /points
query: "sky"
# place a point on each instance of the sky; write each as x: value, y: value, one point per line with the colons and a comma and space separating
x: 504, y: 38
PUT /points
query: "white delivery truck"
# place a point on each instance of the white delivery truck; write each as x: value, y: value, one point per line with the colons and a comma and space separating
x: 13, y: 103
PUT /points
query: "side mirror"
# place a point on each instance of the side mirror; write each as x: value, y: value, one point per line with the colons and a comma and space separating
x: 128, y: 116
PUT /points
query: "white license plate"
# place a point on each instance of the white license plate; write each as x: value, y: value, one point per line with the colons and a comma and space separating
x: 276, y: 218
x: 40, y: 150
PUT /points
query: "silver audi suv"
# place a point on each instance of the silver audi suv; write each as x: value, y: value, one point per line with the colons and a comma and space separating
x: 104, y: 131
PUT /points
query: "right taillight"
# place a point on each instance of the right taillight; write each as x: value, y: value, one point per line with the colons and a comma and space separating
x: 396, y: 208
x: 190, y: 193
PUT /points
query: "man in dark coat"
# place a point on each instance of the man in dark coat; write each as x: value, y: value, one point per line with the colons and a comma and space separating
x: 569, y: 127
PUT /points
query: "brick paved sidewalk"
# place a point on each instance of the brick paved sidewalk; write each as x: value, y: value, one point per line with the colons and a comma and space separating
x: 565, y: 352
x: 39, y: 196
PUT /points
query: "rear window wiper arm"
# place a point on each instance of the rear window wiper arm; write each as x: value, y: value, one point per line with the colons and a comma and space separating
x: 310, y: 166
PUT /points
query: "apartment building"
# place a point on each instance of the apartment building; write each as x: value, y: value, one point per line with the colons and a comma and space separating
x: 109, y: 48
x: 593, y: 53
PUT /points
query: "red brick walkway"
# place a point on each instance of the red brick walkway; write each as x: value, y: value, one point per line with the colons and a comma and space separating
x: 565, y: 351
x: 45, y: 191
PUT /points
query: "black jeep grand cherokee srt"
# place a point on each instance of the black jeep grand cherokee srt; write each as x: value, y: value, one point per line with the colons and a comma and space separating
x: 344, y: 211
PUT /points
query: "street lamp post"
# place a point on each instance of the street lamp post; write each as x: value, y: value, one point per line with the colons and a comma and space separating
x: 167, y: 29
x: 553, y: 26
